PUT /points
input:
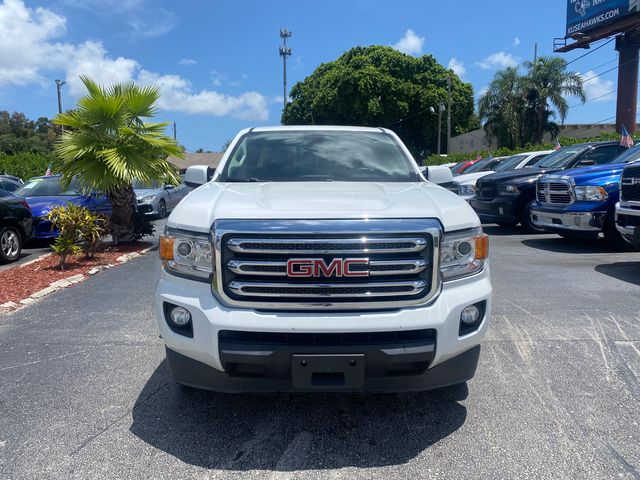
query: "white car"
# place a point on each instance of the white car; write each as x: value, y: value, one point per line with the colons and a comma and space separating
x: 321, y: 259
x: 465, y: 184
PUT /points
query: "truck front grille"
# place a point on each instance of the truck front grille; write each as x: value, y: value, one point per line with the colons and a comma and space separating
x: 630, y: 185
x: 339, y: 264
x: 555, y: 192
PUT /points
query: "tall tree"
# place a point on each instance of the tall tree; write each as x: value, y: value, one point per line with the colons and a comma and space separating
x: 519, y: 109
x: 548, y: 83
x: 381, y: 87
x: 502, y: 108
x: 107, y: 145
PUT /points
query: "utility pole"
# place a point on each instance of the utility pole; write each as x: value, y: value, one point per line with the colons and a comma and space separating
x: 175, y: 136
x: 535, y: 52
x: 449, y: 115
x: 440, y: 110
x: 59, y: 84
x: 284, y: 53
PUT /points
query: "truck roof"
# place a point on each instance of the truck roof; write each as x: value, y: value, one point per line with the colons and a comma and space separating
x: 326, y: 128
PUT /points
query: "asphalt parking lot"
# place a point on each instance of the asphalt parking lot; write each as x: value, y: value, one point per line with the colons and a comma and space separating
x: 85, y: 392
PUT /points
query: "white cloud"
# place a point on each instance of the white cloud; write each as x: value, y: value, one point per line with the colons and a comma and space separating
x: 411, y: 43
x: 457, y: 66
x: 516, y: 42
x: 178, y: 96
x: 29, y: 48
x: 24, y: 47
x: 498, y: 60
x: 597, y: 89
x: 152, y: 24
x: 187, y: 62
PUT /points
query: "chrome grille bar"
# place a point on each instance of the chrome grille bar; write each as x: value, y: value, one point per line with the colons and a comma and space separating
x: 555, y: 192
x: 279, y: 269
x: 328, y: 290
x: 327, y: 246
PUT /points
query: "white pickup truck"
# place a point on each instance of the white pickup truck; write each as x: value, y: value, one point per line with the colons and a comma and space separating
x: 322, y: 259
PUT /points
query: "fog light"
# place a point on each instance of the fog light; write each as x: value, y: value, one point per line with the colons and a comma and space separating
x: 470, y: 315
x: 180, y: 316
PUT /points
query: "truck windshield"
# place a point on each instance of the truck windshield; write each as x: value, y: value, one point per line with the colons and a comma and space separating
x: 630, y: 155
x: 318, y: 156
x: 510, y: 163
x: 560, y: 158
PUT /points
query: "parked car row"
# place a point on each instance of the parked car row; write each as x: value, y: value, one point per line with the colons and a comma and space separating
x: 578, y: 191
x: 24, y: 207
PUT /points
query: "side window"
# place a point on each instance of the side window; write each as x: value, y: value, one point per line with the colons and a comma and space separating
x: 603, y: 154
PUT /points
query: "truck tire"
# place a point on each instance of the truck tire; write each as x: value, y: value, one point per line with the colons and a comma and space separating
x: 10, y: 244
x: 526, y: 222
x: 614, y: 237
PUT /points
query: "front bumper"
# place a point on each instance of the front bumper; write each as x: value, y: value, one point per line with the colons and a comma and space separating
x: 198, y: 361
x: 589, y: 223
x: 500, y: 209
x: 628, y: 224
x: 150, y: 208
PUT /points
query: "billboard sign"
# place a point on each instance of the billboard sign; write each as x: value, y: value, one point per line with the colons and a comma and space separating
x: 586, y: 15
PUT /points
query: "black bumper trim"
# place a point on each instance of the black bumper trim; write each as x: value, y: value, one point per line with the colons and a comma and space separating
x: 193, y: 373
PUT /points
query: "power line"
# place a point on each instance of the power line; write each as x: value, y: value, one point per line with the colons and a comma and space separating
x: 591, y: 51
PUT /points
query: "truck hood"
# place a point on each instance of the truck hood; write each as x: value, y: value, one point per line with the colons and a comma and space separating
x: 470, y: 178
x: 598, y: 175
x: 320, y: 200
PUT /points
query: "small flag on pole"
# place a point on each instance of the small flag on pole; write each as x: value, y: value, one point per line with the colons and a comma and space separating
x: 626, y: 141
x: 48, y: 172
x: 558, y: 146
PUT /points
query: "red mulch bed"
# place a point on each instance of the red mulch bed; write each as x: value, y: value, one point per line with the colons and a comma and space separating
x: 22, y: 281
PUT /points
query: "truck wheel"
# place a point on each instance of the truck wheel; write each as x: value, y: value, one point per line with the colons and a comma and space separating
x: 162, y: 208
x: 526, y: 222
x: 10, y: 244
x: 614, y: 237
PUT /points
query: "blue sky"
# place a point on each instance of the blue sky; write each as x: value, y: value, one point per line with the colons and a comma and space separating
x: 217, y: 62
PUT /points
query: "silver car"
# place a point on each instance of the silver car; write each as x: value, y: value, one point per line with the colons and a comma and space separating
x: 156, y: 199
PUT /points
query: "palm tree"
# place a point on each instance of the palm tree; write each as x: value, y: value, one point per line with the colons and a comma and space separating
x: 548, y: 83
x: 106, y: 146
x: 501, y: 108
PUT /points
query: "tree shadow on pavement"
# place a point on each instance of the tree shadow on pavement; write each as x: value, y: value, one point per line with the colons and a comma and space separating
x: 498, y: 231
x: 283, y: 432
x: 626, y: 271
x: 570, y: 245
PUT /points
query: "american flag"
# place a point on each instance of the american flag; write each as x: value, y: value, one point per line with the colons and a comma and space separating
x: 625, y: 141
x: 558, y: 146
x: 48, y: 172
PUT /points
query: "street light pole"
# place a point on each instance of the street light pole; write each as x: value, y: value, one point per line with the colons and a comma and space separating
x: 440, y: 110
x: 449, y: 116
x: 284, y: 53
x: 59, y: 84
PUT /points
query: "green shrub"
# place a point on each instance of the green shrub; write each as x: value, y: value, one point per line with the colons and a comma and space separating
x: 79, y: 230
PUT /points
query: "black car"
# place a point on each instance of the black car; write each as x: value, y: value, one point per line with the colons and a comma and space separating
x: 15, y: 226
x: 505, y: 198
x: 9, y: 183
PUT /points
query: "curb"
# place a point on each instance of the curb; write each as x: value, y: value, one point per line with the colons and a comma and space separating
x: 10, y: 307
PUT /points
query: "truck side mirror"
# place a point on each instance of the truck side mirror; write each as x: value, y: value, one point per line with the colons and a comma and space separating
x: 196, y: 175
x: 439, y: 174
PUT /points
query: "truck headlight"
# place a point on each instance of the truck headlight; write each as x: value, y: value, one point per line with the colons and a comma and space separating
x: 508, y: 189
x: 591, y: 193
x: 187, y: 254
x: 463, y: 254
x: 466, y: 189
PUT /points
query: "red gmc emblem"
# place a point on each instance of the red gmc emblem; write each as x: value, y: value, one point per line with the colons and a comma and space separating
x: 317, y: 267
